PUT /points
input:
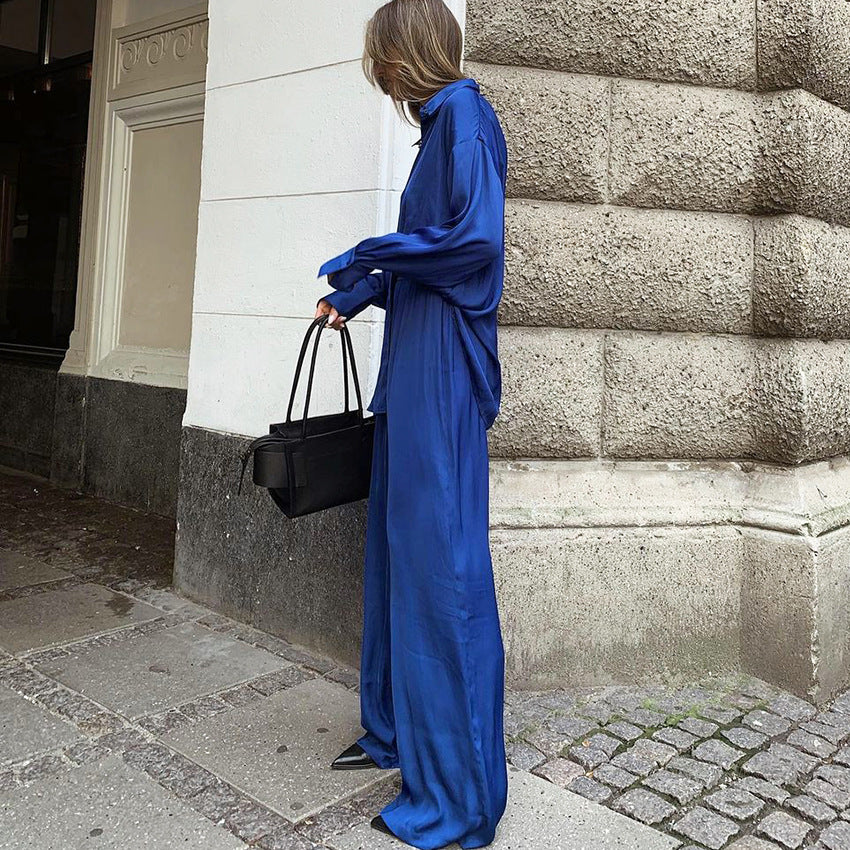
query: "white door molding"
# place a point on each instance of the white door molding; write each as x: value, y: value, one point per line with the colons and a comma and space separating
x: 109, y: 358
x: 152, y: 74
x: 160, y: 53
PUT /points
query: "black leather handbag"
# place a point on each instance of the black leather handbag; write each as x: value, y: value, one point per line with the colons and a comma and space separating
x: 320, y: 461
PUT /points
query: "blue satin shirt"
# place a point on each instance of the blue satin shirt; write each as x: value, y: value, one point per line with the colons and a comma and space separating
x: 449, y: 243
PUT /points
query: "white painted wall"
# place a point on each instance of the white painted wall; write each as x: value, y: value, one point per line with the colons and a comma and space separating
x: 301, y: 159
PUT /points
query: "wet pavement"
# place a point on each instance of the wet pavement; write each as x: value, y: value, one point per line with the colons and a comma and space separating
x: 131, y: 717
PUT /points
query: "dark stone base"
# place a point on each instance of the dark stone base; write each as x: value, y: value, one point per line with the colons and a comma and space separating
x: 301, y: 579
x: 132, y: 443
x: 69, y: 432
x: 113, y: 439
x: 26, y: 416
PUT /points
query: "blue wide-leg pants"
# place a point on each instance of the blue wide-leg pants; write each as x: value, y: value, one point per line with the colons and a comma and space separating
x: 432, y: 660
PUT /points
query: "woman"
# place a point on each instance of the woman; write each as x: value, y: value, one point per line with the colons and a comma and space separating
x: 432, y: 660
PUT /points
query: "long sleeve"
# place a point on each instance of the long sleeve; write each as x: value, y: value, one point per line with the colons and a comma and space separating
x: 371, y: 289
x: 445, y: 254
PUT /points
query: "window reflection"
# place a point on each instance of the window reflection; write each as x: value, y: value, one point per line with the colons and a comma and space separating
x: 44, y: 104
x: 19, y: 35
x: 72, y: 28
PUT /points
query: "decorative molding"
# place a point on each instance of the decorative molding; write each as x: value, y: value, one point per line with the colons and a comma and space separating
x: 107, y: 357
x: 141, y: 365
x: 76, y: 358
x: 172, y: 91
x: 160, y: 53
x: 811, y: 500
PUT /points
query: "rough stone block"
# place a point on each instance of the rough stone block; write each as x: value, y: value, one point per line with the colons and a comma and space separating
x: 836, y: 836
x: 686, y: 147
x: 812, y: 809
x: 805, y: 156
x: 784, y: 828
x: 673, y: 785
x: 672, y: 395
x: 556, y: 129
x: 801, y: 399
x: 801, y: 265
x: 587, y: 266
x: 706, y: 827
x: 677, y: 395
x: 644, y: 806
x: 551, y: 393
x: 560, y: 771
x: 737, y: 803
x: 683, y: 147
x: 691, y: 41
x: 707, y: 774
x: 805, y: 44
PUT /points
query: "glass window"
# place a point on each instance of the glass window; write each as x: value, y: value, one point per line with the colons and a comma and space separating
x: 19, y: 34
x: 43, y: 125
x: 72, y: 28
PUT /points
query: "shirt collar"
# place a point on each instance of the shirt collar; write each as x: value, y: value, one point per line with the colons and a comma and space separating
x: 434, y: 102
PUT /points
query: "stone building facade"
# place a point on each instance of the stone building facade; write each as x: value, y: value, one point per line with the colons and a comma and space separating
x: 670, y: 488
x: 670, y: 473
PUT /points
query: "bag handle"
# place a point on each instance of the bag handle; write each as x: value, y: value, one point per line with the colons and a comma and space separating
x: 346, y: 343
x: 317, y: 321
x: 321, y: 322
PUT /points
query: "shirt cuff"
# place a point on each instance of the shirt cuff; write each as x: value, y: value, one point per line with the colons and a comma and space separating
x: 337, y: 263
x: 347, y: 304
x: 346, y: 270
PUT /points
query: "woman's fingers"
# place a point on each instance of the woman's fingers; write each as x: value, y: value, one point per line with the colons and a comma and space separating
x: 335, y: 321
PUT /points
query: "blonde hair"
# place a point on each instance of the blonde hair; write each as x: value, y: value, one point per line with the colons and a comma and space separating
x: 421, y: 43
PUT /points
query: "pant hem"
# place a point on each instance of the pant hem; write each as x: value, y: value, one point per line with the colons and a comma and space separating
x: 379, y: 758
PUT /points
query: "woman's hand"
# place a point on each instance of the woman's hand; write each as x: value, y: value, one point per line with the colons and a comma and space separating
x: 335, y: 321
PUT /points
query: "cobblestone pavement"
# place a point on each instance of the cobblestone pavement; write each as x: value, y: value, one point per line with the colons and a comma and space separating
x: 109, y: 675
x: 729, y: 762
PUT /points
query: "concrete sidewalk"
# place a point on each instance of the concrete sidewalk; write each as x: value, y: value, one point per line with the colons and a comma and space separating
x: 135, y: 720
x: 131, y: 718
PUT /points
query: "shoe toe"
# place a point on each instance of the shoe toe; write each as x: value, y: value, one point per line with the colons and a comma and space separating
x: 380, y: 824
x: 353, y: 757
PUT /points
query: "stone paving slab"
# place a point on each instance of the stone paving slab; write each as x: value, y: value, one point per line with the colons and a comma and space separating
x: 728, y: 762
x: 26, y: 728
x: 279, y: 750
x: 17, y: 570
x: 108, y: 806
x: 152, y: 672
x: 540, y: 815
x: 56, y: 616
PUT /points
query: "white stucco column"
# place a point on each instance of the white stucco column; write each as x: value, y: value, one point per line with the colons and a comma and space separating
x: 301, y: 159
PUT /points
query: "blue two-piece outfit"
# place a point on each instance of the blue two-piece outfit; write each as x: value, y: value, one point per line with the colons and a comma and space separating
x: 432, y: 661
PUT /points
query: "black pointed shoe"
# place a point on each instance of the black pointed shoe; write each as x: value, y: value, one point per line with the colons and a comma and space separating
x: 353, y: 758
x: 380, y: 824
